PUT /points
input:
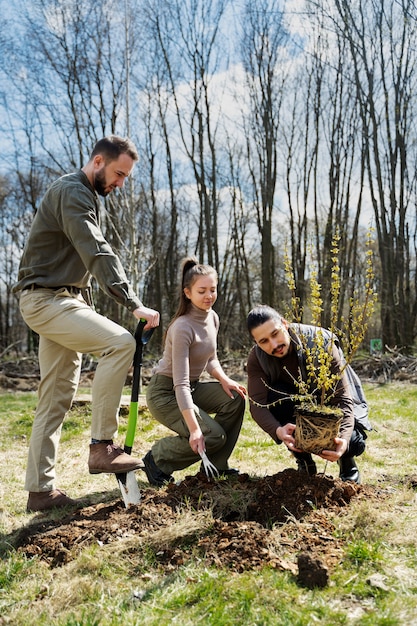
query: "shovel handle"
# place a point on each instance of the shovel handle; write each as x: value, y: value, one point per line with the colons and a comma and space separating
x: 141, y: 339
x: 137, y: 361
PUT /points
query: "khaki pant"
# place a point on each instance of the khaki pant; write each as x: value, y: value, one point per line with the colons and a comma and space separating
x: 220, y: 433
x: 67, y: 328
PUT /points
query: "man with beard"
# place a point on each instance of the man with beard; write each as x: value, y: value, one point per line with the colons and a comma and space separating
x: 276, y: 362
x: 64, y: 250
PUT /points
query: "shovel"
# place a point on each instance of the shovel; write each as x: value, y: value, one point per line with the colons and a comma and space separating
x: 127, y: 481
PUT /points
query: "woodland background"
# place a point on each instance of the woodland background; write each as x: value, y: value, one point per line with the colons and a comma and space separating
x: 261, y: 126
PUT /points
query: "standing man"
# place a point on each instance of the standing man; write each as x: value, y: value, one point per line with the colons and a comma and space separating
x: 64, y: 249
x: 274, y: 364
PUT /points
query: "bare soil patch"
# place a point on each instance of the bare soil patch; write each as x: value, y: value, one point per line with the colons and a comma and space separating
x: 276, y: 520
x: 287, y: 520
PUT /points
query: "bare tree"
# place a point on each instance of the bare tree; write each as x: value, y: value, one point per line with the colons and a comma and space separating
x: 158, y: 168
x: 263, y: 49
x: 381, y: 37
x: 191, y: 59
x: 236, y: 278
x: 319, y: 135
x: 73, y: 73
x: 13, y: 231
x: 187, y: 35
x: 74, y: 90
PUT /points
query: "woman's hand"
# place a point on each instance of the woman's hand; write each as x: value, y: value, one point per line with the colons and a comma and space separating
x: 196, y: 438
x: 197, y: 443
x: 230, y: 385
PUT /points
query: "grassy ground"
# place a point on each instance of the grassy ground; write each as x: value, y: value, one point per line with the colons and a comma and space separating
x: 375, y: 584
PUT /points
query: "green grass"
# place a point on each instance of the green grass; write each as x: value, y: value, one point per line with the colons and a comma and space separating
x: 374, y: 584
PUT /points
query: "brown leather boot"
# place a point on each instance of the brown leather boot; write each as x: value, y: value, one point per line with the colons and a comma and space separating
x: 44, y: 500
x: 107, y: 458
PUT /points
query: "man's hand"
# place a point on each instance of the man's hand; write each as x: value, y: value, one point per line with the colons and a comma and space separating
x: 334, y: 455
x: 151, y: 317
x: 286, y: 435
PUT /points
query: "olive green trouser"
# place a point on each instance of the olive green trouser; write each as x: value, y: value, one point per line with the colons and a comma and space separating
x: 67, y: 328
x: 220, y: 432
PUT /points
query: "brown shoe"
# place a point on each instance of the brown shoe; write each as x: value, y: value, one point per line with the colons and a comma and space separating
x: 44, y: 500
x: 107, y: 458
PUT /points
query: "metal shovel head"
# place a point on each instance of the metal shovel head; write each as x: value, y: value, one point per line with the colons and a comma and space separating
x: 129, y: 488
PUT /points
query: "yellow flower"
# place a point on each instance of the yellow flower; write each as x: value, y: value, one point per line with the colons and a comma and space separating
x: 321, y: 383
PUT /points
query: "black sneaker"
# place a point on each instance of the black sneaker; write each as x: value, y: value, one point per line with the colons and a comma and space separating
x: 155, y: 476
x: 230, y: 471
x: 305, y: 464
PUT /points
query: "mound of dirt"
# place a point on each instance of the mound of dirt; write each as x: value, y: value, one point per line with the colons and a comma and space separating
x: 251, y: 522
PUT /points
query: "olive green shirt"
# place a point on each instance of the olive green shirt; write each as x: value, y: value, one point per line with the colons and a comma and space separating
x: 66, y: 246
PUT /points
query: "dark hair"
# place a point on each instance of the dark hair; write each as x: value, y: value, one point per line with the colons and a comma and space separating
x: 263, y: 313
x: 110, y: 148
x: 191, y: 269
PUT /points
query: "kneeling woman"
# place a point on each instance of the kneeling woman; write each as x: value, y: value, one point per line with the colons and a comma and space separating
x: 178, y: 399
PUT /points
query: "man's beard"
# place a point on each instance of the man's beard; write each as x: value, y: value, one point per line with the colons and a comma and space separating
x: 100, y: 183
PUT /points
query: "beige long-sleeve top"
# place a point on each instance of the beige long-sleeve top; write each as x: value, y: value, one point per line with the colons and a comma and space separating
x: 190, y: 348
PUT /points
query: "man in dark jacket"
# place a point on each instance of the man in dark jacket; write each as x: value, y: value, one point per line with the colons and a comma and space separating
x: 64, y: 250
x: 274, y: 366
